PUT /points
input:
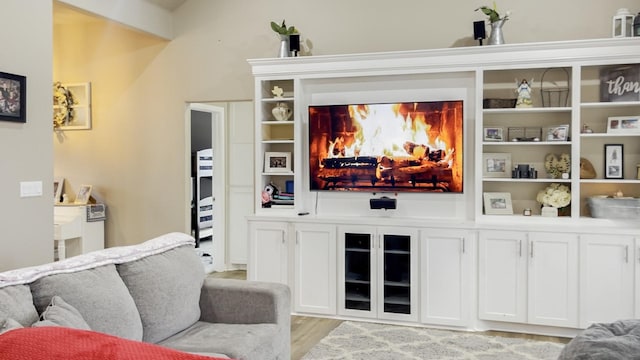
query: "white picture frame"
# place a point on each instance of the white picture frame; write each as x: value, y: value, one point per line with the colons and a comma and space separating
x: 623, y: 125
x: 497, y: 203
x: 556, y: 133
x: 83, y: 195
x: 58, y: 185
x: 496, y: 165
x: 277, y: 162
x: 75, y: 109
x: 493, y: 134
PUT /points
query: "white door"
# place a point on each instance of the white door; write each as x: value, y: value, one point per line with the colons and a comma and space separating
x: 445, y: 271
x: 606, y: 278
x: 315, y: 269
x: 198, y: 117
x: 553, y: 279
x: 502, y: 278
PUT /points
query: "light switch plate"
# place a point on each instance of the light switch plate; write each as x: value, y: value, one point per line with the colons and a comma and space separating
x: 30, y: 188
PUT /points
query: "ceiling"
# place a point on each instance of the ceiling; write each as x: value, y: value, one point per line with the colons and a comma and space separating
x: 167, y: 4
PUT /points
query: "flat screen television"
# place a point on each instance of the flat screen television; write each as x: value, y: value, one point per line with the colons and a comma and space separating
x: 387, y: 147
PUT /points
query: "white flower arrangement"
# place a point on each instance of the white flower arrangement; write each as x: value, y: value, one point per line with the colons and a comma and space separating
x: 557, y: 166
x: 555, y: 195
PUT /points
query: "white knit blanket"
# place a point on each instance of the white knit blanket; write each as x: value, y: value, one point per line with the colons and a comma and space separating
x: 114, y: 255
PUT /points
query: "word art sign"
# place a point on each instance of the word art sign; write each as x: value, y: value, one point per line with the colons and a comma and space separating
x: 620, y: 83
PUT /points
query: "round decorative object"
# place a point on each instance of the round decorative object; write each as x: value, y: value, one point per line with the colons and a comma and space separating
x: 281, y: 111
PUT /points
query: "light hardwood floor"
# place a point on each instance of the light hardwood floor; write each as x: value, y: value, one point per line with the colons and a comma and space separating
x: 307, y: 331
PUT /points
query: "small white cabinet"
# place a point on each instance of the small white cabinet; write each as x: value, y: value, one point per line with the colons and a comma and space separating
x: 315, y: 269
x: 606, y: 278
x: 445, y: 269
x: 528, y: 277
x: 268, y: 251
x: 378, y: 272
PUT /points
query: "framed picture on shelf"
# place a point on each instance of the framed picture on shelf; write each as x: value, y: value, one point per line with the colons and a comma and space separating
x: 613, y: 161
x: 493, y: 134
x: 556, y: 133
x: 497, y: 203
x: 277, y: 162
x: 496, y: 165
x: 58, y: 184
x: 83, y: 195
x: 623, y: 125
x: 13, y: 97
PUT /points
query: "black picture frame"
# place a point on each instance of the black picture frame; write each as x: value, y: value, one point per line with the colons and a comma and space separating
x: 614, y: 161
x: 13, y: 97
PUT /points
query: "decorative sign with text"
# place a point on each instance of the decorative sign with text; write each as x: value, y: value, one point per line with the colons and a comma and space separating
x: 620, y: 83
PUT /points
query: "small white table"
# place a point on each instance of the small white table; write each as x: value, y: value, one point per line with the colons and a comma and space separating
x: 73, y: 234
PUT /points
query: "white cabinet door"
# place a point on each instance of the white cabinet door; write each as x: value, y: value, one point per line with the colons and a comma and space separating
x: 553, y: 279
x: 268, y: 256
x: 445, y: 273
x: 502, y: 278
x: 357, y: 281
x: 397, y: 273
x: 637, y: 266
x: 315, y: 269
x: 606, y: 278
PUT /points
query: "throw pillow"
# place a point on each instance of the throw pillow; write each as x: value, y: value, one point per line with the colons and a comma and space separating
x: 16, y: 301
x: 166, y: 289
x: 59, y: 313
x: 98, y: 294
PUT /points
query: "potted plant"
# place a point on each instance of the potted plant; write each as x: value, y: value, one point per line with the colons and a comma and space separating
x: 289, y: 38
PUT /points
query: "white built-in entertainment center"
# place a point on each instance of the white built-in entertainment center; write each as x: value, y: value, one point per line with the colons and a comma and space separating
x: 439, y: 259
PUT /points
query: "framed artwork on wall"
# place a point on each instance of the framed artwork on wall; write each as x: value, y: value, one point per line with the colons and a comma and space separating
x: 13, y: 97
x: 72, y: 106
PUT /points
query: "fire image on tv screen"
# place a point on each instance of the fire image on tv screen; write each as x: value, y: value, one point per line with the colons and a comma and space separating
x: 394, y: 147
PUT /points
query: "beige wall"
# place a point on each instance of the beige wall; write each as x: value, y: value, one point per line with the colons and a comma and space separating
x: 26, y: 224
x: 135, y: 153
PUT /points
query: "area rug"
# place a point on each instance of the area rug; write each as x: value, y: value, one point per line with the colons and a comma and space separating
x: 359, y: 340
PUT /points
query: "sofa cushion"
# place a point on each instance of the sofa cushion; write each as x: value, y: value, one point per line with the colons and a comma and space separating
x: 7, y: 323
x: 98, y: 294
x: 166, y: 289
x: 238, y: 341
x: 16, y: 302
x: 60, y: 313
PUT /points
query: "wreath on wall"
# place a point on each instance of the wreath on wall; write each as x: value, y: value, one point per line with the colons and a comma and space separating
x: 62, y: 104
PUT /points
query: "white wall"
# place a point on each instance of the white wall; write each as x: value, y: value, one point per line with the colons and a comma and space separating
x: 26, y: 224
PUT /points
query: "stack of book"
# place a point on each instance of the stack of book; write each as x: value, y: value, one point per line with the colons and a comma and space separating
x: 282, y: 198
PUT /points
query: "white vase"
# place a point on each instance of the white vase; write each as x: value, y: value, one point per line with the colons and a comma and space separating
x: 281, y: 111
x: 549, y: 211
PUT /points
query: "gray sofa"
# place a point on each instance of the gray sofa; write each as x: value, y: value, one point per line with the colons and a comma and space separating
x: 155, y: 292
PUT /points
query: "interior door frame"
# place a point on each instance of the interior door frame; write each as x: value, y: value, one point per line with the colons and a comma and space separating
x: 218, y: 131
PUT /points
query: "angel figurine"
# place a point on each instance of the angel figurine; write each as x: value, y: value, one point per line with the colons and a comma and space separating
x: 524, y: 93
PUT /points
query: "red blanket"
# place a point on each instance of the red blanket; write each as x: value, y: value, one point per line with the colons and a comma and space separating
x: 46, y: 343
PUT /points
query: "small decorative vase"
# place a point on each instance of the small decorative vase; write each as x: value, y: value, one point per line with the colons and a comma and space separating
x: 549, y: 211
x: 496, y: 37
x: 281, y: 111
x: 284, y: 47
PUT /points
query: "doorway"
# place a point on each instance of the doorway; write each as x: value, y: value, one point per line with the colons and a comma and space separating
x: 205, y: 149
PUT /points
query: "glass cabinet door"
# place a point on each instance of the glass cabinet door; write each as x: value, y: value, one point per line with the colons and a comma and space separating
x: 357, y: 270
x: 397, y: 274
